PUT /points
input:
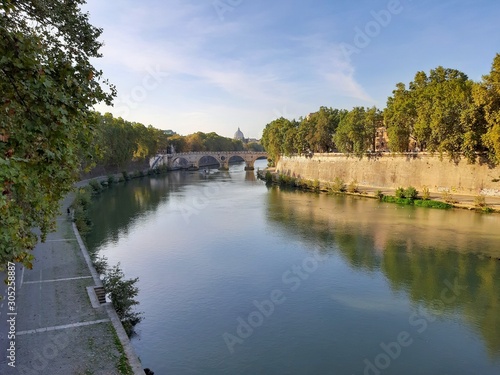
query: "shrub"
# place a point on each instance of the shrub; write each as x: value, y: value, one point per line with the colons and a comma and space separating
x: 301, y: 183
x: 353, y: 187
x: 447, y: 197
x: 95, y: 185
x: 282, y: 179
x: 125, y: 175
x: 316, y: 185
x: 411, y: 193
x: 104, y: 183
x: 269, y: 177
x: 338, y: 185
x: 400, y: 192
x: 426, y: 194
x: 101, y: 265
x: 80, y: 207
x: 139, y: 173
x: 379, y: 194
x: 111, y: 179
x: 123, y: 293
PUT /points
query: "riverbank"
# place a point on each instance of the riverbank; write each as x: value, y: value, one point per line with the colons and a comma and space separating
x: 58, y: 330
x: 390, y: 171
x: 462, y: 201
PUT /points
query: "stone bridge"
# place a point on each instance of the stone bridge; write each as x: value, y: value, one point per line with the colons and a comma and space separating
x: 222, y: 157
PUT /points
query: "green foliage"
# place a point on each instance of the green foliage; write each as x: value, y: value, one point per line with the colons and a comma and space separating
x: 253, y: 146
x: 123, y: 365
x: 396, y: 199
x: 111, y: 179
x: 400, y: 192
x: 100, y: 264
x: 123, y: 293
x: 316, y: 186
x: 269, y: 177
x: 48, y: 88
x: 95, y: 185
x: 338, y: 185
x: 415, y: 202
x: 302, y: 183
x: 354, y: 135
x: 353, y: 187
x: 285, y: 180
x: 411, y: 193
x: 426, y: 194
x: 80, y: 207
x: 379, y: 194
x: 126, y: 175
x: 487, y: 99
x: 431, y: 204
x: 443, y: 111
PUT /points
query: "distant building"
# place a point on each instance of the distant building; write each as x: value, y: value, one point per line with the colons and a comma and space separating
x: 239, y: 135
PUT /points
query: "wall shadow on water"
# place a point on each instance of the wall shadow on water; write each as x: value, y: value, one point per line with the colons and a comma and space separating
x: 418, y: 250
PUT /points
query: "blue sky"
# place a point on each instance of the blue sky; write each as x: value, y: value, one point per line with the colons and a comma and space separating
x: 216, y: 65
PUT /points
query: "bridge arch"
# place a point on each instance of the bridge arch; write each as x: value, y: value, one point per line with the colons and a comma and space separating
x: 193, y: 158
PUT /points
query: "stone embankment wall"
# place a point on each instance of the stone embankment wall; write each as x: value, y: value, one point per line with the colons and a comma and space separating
x: 395, y: 170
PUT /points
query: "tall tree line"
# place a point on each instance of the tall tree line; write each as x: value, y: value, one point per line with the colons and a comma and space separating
x: 443, y: 111
x: 118, y: 142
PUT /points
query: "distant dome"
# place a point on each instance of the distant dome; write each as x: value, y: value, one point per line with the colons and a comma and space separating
x: 239, y: 135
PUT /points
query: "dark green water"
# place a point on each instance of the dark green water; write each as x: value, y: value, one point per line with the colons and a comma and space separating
x: 236, y: 278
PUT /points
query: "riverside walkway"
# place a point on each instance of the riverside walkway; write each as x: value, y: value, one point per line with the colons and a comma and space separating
x: 58, y: 331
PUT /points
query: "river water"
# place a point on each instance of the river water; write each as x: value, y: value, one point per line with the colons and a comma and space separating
x: 239, y: 278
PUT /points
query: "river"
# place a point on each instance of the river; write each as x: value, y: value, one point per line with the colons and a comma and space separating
x: 239, y: 278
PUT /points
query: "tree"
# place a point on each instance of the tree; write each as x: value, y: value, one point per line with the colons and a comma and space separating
x: 119, y: 141
x: 400, y: 116
x: 487, y: 98
x: 438, y: 112
x: 47, y: 89
x: 373, y: 121
x: 352, y: 134
x: 273, y: 138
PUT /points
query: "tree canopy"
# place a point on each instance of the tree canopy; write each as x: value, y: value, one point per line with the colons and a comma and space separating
x: 48, y: 87
x: 443, y: 111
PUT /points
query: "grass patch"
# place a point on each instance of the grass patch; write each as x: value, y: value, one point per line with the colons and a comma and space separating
x: 415, y: 202
x: 122, y: 366
x: 432, y: 204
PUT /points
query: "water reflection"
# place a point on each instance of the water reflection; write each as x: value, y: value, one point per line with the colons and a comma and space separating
x: 420, y: 251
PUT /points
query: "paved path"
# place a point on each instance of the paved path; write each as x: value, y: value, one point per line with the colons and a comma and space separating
x: 58, y: 332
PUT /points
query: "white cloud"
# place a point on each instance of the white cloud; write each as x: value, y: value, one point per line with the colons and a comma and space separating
x: 213, y: 72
